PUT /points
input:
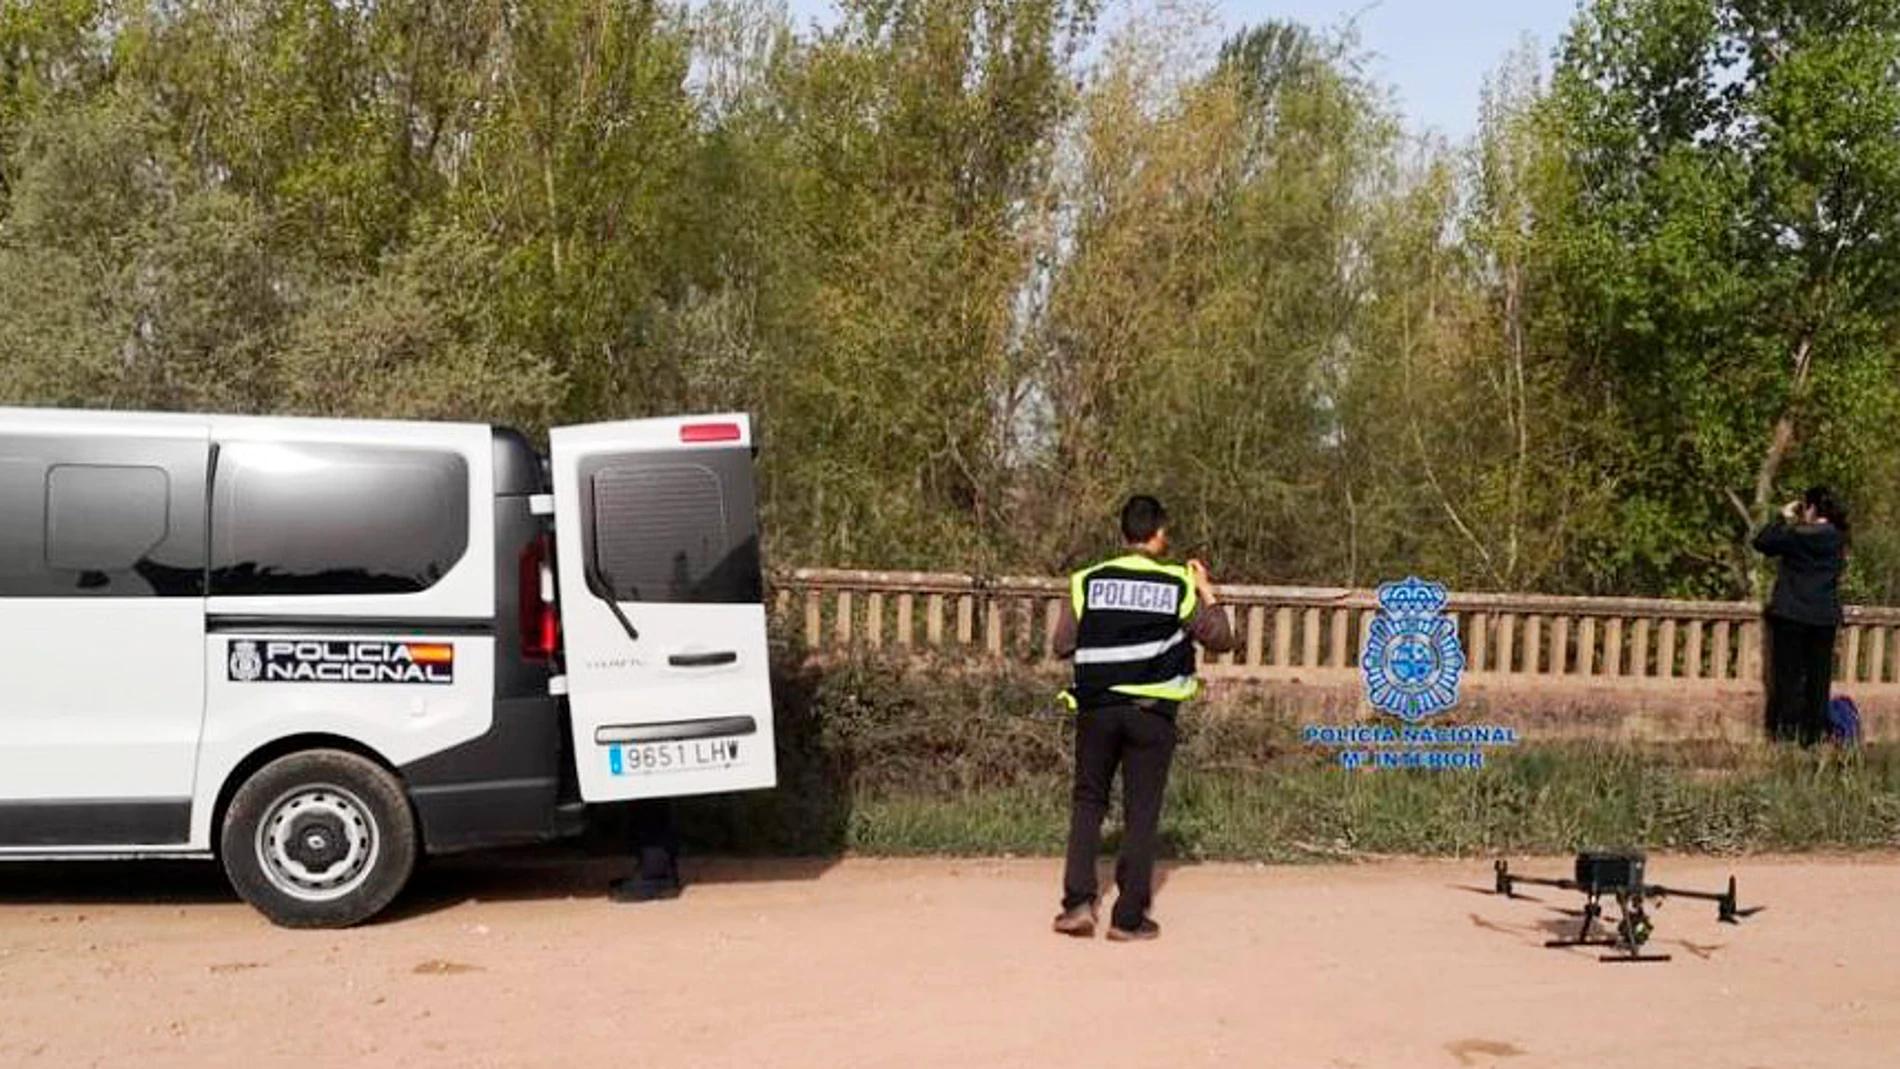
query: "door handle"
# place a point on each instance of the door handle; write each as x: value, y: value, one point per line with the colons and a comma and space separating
x: 702, y: 660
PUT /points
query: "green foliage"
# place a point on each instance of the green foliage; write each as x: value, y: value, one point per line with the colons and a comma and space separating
x: 1724, y: 244
x: 982, y: 270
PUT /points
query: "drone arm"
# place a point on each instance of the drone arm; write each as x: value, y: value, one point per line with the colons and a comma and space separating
x: 1726, y: 908
x: 1567, y: 885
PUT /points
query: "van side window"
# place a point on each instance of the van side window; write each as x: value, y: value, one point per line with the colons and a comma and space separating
x: 673, y: 527
x: 82, y: 518
x: 295, y: 518
x: 104, y: 519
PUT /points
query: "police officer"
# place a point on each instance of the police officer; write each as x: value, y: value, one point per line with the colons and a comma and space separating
x: 1131, y: 624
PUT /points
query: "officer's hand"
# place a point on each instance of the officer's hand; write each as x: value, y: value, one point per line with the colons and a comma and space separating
x: 1203, y: 583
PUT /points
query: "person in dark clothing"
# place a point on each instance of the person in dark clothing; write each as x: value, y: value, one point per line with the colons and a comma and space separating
x: 1130, y: 624
x: 656, y: 848
x: 1809, y: 542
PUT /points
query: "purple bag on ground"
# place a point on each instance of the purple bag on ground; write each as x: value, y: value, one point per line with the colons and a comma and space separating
x: 1843, y: 721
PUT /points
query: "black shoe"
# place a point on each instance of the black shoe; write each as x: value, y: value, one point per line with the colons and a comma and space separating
x: 1079, y: 921
x: 635, y: 889
x: 1147, y: 929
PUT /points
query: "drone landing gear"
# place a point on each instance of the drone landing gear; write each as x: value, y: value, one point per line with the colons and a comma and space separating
x: 1632, y: 931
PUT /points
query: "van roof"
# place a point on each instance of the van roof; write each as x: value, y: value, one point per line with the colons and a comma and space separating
x: 133, y: 420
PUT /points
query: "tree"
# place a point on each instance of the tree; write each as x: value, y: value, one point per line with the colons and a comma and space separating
x: 1728, y: 251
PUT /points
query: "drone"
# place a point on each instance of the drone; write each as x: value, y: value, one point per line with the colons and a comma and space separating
x: 1619, y: 874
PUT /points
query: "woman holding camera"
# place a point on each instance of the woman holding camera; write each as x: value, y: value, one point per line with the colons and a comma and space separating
x: 1809, y: 543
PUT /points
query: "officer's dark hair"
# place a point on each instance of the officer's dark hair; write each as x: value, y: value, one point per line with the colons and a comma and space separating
x: 1141, y: 518
x: 1822, y: 500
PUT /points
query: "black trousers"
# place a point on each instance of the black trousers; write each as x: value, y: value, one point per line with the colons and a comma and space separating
x: 656, y: 843
x: 1140, y: 742
x: 1801, y: 679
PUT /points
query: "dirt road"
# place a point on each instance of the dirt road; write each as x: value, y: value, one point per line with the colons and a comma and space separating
x: 519, y: 962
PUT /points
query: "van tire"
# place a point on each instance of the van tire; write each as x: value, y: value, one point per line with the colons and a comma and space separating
x: 319, y: 839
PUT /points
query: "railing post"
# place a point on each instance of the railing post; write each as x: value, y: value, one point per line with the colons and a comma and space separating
x: 814, y: 633
x: 1751, y: 652
x: 1235, y: 619
x: 843, y: 623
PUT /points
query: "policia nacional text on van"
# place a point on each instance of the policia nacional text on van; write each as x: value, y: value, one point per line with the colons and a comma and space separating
x: 1131, y: 624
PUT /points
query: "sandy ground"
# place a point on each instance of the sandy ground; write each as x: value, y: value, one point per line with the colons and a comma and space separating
x: 517, y: 961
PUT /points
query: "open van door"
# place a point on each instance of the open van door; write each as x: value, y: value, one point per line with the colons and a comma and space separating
x: 662, y: 607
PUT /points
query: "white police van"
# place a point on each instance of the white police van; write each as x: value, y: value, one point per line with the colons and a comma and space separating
x: 317, y: 648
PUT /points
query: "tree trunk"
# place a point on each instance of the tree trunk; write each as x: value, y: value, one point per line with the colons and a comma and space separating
x: 1779, y: 444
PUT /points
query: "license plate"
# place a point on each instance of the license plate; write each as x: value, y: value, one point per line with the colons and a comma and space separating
x: 662, y: 758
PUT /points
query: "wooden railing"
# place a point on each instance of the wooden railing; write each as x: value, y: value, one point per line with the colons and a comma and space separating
x: 1296, y: 634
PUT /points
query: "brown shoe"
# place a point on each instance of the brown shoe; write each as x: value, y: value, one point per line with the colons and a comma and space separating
x: 1079, y: 922
x: 1146, y: 930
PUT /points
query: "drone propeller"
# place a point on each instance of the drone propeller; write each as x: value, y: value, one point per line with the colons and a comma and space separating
x: 1726, y: 910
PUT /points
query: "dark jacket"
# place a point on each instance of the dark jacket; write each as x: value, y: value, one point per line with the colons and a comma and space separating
x: 1809, y: 559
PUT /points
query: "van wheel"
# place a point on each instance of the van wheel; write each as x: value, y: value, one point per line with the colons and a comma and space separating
x: 319, y: 839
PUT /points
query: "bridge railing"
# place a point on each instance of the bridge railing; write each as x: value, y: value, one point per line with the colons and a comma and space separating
x: 1306, y: 634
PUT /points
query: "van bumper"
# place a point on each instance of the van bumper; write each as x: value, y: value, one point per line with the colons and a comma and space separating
x: 503, y: 788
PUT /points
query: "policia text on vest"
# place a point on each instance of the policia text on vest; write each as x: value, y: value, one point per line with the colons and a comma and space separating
x: 1131, y: 625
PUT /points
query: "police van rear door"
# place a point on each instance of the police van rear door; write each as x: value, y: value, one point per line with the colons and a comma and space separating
x: 662, y: 607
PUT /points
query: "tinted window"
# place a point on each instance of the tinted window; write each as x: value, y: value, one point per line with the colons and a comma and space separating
x: 104, y: 519
x: 101, y: 517
x: 22, y: 519
x: 332, y: 519
x: 673, y: 527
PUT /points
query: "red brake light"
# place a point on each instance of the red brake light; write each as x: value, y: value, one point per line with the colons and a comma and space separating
x: 709, y: 432
x: 540, y: 621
